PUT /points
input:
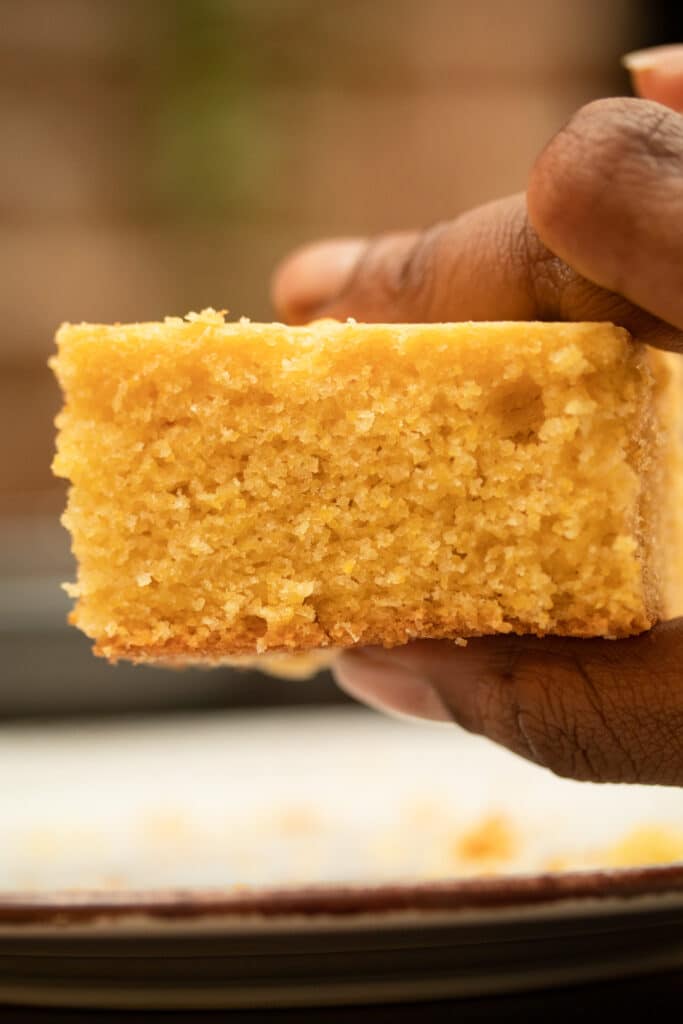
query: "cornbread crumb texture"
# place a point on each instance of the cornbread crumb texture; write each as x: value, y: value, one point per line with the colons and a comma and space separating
x: 240, y: 488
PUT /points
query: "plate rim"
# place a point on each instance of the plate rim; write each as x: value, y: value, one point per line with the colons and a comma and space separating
x: 343, y: 901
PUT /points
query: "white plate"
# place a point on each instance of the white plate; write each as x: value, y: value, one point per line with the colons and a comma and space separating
x: 314, y: 857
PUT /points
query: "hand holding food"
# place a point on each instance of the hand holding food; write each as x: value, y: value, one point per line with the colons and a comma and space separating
x: 602, y: 239
x: 242, y: 488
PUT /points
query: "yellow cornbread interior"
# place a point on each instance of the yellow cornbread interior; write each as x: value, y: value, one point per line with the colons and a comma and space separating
x: 239, y: 488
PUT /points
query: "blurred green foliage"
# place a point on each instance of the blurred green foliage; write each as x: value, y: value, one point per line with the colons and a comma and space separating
x: 211, y: 153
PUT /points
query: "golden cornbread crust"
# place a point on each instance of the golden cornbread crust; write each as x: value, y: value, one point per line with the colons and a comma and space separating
x: 213, y: 650
x: 244, y: 488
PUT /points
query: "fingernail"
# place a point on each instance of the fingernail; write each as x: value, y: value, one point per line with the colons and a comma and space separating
x: 382, y: 680
x: 654, y: 57
x: 314, y: 276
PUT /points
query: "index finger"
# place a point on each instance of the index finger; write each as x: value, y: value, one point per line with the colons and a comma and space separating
x: 487, y: 264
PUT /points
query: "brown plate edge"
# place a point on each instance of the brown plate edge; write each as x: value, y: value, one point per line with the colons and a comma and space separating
x: 76, y: 907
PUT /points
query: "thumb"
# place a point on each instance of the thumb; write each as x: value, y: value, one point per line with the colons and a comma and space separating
x: 657, y: 74
x: 599, y: 710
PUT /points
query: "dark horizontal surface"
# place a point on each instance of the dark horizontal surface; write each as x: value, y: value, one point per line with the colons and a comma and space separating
x: 617, y: 998
x: 47, y: 674
x: 389, y: 957
x: 392, y: 955
x: 48, y: 669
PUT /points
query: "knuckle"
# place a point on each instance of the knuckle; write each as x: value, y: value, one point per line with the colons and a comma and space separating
x: 391, y: 272
x: 638, y: 709
x: 553, y: 733
x: 367, y: 277
x: 418, y: 269
x: 562, y: 723
x: 554, y: 289
x: 646, y: 707
x: 546, y: 276
x: 600, y: 711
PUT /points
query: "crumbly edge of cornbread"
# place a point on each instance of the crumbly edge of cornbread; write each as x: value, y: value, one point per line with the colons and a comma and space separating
x: 667, y: 482
x: 646, y: 459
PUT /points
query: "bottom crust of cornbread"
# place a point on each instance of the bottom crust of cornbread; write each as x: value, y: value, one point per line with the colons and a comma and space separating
x: 247, y: 488
x: 248, y: 649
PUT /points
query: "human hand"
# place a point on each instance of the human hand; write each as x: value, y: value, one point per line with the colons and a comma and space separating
x: 597, y: 236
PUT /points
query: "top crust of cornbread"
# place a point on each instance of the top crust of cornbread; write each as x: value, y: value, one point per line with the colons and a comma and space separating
x: 240, y: 488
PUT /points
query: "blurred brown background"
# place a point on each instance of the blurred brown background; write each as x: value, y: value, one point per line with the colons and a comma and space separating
x: 161, y: 156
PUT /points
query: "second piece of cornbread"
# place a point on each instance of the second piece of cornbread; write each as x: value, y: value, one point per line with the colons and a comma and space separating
x: 240, y: 488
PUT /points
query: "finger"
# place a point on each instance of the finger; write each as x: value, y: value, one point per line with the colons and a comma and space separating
x: 657, y: 74
x: 598, y: 710
x: 311, y: 274
x: 606, y: 195
x: 487, y: 264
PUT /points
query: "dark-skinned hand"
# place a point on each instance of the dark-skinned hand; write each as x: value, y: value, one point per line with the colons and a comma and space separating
x: 598, y: 235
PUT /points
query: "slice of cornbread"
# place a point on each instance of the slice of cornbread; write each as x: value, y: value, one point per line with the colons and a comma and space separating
x: 239, y: 488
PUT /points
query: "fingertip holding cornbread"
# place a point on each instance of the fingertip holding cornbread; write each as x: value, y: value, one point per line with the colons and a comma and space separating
x: 242, y: 488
